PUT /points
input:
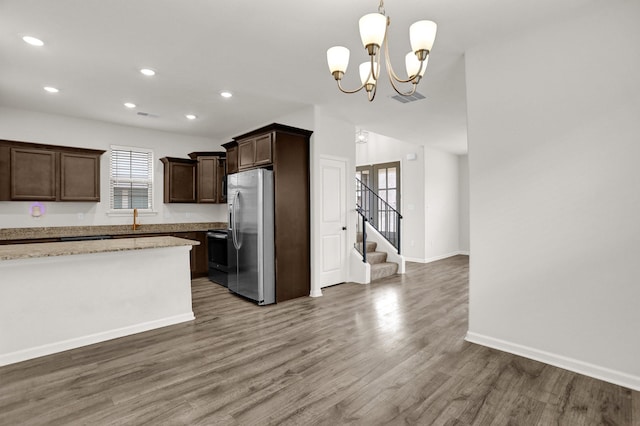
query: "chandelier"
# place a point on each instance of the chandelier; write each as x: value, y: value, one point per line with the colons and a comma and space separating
x: 373, y: 32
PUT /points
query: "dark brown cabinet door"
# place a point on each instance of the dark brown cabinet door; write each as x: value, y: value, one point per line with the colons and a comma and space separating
x: 179, y: 180
x: 263, y: 150
x: 232, y: 158
x: 211, y: 174
x: 79, y: 177
x: 207, y: 179
x: 199, y: 260
x: 292, y: 214
x: 246, y: 154
x: 255, y: 152
x: 221, y: 181
x: 33, y: 174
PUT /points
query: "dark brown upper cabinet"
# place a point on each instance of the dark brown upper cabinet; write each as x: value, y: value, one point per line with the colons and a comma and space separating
x: 255, y: 152
x: 232, y: 156
x: 79, y: 177
x: 38, y: 172
x: 33, y: 174
x: 211, y: 176
x: 179, y: 180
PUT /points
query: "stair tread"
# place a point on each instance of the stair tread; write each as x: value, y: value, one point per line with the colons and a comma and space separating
x: 383, y: 265
x: 371, y: 246
x: 382, y: 270
x: 376, y: 257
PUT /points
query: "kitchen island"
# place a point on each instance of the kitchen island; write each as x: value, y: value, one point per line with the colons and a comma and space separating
x: 62, y: 295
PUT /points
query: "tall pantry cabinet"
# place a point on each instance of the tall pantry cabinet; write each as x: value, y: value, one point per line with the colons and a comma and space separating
x: 285, y: 150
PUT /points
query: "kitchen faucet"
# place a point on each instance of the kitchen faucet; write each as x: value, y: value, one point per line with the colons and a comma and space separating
x: 135, y: 220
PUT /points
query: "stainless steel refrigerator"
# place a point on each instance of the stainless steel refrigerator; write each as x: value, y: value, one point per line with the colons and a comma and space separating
x: 251, y: 241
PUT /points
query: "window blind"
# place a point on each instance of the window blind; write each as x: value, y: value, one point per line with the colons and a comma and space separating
x: 131, y: 183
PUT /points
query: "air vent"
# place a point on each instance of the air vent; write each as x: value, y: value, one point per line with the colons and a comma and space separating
x: 406, y: 99
x: 146, y: 114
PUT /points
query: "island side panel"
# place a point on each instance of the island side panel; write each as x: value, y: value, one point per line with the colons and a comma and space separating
x: 52, y: 304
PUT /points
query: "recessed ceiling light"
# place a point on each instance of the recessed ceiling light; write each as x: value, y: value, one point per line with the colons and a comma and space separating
x: 191, y: 116
x: 148, y: 72
x: 51, y: 89
x: 226, y: 94
x: 33, y: 41
x: 129, y: 105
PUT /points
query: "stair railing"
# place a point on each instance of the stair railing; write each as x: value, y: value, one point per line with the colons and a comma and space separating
x: 384, y: 218
x: 361, y: 229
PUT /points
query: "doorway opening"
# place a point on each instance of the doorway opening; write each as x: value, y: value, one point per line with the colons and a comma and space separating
x: 384, y: 180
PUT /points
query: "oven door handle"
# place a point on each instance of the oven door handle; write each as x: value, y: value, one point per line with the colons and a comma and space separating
x: 217, y: 236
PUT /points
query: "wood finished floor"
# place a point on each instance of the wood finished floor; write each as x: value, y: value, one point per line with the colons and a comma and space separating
x: 388, y: 353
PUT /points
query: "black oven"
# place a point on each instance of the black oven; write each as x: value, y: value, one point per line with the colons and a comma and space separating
x: 218, y: 264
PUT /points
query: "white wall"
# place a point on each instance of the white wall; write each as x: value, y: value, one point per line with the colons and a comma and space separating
x: 383, y: 149
x: 334, y: 138
x: 441, y: 204
x: 302, y: 118
x: 463, y: 203
x: 29, y: 126
x: 555, y: 177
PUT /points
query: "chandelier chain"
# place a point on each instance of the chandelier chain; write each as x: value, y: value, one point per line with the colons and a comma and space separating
x: 381, y: 8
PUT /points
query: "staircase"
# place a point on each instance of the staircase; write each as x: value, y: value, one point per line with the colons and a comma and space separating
x: 380, y: 268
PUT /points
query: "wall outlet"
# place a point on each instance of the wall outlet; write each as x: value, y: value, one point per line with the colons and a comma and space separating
x: 80, y: 216
x: 187, y: 214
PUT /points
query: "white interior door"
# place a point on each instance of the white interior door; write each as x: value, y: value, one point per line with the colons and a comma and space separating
x: 333, y: 222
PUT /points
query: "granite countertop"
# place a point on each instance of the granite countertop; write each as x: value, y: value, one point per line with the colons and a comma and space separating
x: 82, y: 231
x: 67, y: 248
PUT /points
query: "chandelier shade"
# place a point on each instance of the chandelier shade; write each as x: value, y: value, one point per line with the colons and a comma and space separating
x: 366, y: 74
x: 374, y: 35
x: 373, y: 27
x: 338, y: 59
x: 414, y: 66
x: 422, y: 34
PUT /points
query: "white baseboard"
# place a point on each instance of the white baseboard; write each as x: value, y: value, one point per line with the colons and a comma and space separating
x: 316, y: 293
x: 435, y: 258
x: 464, y: 252
x: 577, y: 366
x: 76, y: 342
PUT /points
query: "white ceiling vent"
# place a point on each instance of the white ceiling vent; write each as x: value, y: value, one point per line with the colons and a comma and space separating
x: 147, y: 114
x: 406, y: 99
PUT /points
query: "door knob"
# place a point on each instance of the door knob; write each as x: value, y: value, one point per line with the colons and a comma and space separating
x: 344, y: 228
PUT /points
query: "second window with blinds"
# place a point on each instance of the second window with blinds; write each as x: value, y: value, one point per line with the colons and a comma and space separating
x: 131, y: 179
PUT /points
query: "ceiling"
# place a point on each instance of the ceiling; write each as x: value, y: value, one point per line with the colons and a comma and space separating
x: 270, y: 55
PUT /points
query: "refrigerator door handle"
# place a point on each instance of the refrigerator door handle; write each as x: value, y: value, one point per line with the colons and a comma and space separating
x: 234, y: 214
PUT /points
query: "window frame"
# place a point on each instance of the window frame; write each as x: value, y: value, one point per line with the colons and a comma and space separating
x: 128, y: 211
